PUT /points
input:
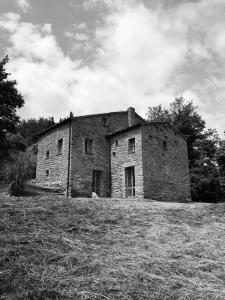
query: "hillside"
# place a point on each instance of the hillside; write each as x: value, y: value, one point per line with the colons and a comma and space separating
x: 53, y: 247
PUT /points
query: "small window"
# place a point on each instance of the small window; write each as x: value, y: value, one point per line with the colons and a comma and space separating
x: 47, y: 173
x: 88, y: 146
x: 131, y: 145
x: 47, y: 154
x: 59, y: 146
x: 165, y: 146
x: 114, y: 154
x: 104, y: 121
x: 117, y: 143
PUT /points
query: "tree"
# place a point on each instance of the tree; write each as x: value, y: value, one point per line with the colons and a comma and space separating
x: 30, y: 128
x: 10, y: 101
x: 202, y: 146
x: 183, y: 116
x: 220, y: 156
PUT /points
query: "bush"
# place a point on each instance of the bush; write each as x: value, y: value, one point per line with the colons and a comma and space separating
x: 18, y: 172
x: 205, y: 188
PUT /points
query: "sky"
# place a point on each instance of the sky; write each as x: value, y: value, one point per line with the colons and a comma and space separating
x: 95, y: 56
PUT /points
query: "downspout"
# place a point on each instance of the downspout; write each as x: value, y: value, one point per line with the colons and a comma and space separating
x: 109, y: 162
x: 69, y: 159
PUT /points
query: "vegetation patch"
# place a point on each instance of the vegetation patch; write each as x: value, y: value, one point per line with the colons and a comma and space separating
x: 52, y: 247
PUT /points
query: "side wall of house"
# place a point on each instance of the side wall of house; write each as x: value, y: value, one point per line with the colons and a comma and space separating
x: 165, y: 164
x: 121, y: 159
x: 83, y: 164
x: 56, y: 164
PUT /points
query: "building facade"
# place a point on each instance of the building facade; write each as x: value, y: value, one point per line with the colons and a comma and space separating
x: 115, y: 154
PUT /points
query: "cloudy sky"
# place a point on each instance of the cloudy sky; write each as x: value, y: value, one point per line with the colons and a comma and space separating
x: 91, y: 56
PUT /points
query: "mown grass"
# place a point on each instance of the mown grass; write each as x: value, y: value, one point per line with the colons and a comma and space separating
x: 52, y: 247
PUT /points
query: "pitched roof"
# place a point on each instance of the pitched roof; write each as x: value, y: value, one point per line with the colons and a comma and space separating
x: 126, y: 129
x: 83, y: 117
x: 54, y: 126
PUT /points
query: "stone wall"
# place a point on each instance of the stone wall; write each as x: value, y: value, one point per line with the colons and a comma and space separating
x: 165, y: 164
x: 56, y: 164
x: 82, y: 163
x: 121, y: 159
x: 94, y: 127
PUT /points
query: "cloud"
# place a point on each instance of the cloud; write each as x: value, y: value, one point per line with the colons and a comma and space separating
x: 140, y: 57
x: 24, y: 5
x: 44, y: 74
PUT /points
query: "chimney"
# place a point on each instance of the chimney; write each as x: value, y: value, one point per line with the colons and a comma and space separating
x: 131, y: 116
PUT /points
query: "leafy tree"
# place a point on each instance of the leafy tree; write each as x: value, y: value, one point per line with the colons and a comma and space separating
x: 30, y: 128
x: 185, y: 119
x: 10, y: 101
x: 220, y: 156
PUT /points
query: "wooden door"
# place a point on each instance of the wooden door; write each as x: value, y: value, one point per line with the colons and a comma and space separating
x: 130, y: 181
x: 96, y: 182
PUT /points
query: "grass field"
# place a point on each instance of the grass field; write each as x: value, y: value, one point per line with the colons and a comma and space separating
x: 52, y: 247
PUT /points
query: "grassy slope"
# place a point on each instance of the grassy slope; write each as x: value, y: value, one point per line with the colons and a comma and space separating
x: 57, y: 248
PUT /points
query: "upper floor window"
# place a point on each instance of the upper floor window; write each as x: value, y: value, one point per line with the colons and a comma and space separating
x: 104, y: 121
x: 47, y: 173
x: 59, y: 146
x: 47, y: 154
x: 131, y: 145
x: 88, y: 146
x: 165, y: 145
x: 117, y: 143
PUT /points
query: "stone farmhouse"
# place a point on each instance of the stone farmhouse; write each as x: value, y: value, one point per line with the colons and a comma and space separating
x: 116, y: 154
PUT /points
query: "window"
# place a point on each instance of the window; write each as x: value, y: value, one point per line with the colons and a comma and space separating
x: 131, y: 145
x: 117, y: 143
x: 47, y: 154
x: 104, y: 121
x: 165, y: 147
x: 114, y: 154
x: 47, y: 173
x: 88, y: 146
x: 59, y: 146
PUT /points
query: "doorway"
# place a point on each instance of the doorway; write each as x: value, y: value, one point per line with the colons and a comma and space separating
x: 130, y: 181
x: 96, y: 179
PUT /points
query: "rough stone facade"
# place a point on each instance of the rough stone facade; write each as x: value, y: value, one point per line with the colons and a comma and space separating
x: 82, y: 164
x: 56, y: 164
x: 165, y: 164
x: 96, y: 156
x: 121, y: 159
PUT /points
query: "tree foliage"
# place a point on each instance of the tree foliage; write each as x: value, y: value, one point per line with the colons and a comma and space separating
x: 18, y: 172
x: 30, y: 128
x: 185, y: 119
x: 10, y: 101
x: 202, y: 146
x: 220, y: 156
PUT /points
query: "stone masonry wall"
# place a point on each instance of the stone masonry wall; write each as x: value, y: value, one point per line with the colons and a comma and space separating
x: 166, y: 172
x: 56, y: 164
x: 82, y: 163
x: 121, y: 159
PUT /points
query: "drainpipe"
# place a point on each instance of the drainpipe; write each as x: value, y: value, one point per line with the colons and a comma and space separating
x: 109, y: 170
x: 69, y: 159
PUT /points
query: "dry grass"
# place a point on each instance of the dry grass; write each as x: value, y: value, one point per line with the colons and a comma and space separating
x: 52, y: 247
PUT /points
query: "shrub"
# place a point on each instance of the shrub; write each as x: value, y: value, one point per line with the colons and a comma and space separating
x: 18, y: 172
x: 205, y: 188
